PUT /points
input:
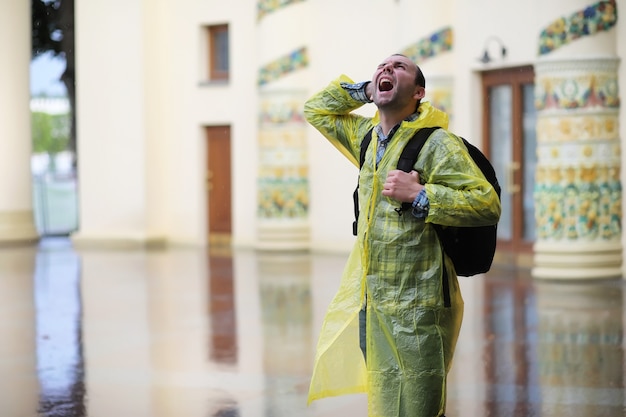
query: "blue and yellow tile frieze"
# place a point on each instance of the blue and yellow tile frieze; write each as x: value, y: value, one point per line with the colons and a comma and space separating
x: 283, y: 198
x: 581, y: 91
x: 284, y: 65
x: 598, y: 17
x: 593, y: 127
x: 583, y: 202
x: 431, y: 46
x: 283, y: 175
x: 265, y: 7
x: 280, y: 112
x: 283, y: 185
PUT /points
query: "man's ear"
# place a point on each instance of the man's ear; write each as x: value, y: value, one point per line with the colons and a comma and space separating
x: 419, y: 93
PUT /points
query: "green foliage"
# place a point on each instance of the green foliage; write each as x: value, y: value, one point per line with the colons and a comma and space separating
x: 52, y: 30
x: 50, y: 132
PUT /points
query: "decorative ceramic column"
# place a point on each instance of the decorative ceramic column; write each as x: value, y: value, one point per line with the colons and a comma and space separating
x: 283, y: 172
x: 578, y: 190
x: 16, y: 209
x: 283, y: 185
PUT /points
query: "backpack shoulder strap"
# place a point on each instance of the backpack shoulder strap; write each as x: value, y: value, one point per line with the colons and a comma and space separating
x: 355, y: 195
x: 364, y: 144
x: 410, y: 153
x: 413, y: 147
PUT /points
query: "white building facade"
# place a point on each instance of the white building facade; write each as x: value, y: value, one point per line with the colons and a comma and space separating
x: 169, y: 154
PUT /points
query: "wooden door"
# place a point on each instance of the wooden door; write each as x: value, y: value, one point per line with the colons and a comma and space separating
x: 218, y: 185
x: 510, y: 139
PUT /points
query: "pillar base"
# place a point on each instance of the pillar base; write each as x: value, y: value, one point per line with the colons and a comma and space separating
x: 283, y: 235
x: 577, y: 261
x: 17, y: 227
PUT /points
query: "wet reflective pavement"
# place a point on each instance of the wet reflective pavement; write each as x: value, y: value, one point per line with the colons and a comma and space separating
x: 181, y: 332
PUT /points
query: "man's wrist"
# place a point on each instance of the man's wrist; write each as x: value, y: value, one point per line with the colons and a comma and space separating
x: 420, y: 204
x: 357, y: 91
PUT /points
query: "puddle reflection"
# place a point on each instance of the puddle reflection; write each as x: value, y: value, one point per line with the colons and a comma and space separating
x: 284, y: 284
x: 159, y: 328
x: 60, y: 363
x: 222, y: 311
x: 539, y: 348
x: 226, y: 409
x: 18, y: 367
x: 580, y: 352
x: 286, y: 312
x: 509, y: 360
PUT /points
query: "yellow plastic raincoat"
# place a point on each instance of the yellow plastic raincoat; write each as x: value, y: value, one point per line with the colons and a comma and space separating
x: 414, y: 312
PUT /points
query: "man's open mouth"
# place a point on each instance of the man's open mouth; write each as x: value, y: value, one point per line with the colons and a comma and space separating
x: 385, y: 85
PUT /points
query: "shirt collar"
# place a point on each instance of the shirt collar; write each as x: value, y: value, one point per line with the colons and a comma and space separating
x: 381, y: 135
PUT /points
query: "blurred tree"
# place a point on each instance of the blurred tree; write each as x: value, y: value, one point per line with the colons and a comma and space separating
x: 50, y: 132
x: 53, y: 31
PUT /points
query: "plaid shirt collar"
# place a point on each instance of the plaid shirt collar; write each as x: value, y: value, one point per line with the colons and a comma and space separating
x: 386, y: 138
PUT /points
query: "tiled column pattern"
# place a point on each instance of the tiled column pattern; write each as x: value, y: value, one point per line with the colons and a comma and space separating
x: 283, y: 185
x: 578, y: 189
x: 16, y: 210
x: 439, y: 92
x: 283, y: 173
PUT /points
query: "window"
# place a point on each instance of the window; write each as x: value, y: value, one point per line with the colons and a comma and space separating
x: 218, y: 52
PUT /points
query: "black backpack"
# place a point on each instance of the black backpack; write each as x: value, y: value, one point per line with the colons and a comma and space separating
x: 470, y: 248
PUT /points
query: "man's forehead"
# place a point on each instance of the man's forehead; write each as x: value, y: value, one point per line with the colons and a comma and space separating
x: 398, y: 58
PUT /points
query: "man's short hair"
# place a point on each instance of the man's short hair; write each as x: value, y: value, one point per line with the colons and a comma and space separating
x: 419, y: 75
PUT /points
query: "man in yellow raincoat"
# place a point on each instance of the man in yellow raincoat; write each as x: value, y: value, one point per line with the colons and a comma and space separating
x: 397, y: 273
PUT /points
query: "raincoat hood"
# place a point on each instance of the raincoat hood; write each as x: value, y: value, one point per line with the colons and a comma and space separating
x: 429, y: 116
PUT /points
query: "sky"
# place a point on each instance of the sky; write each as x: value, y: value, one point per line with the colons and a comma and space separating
x: 45, y: 75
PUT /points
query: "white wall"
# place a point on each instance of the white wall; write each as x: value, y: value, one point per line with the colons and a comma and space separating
x: 143, y: 100
x: 194, y: 104
x: 155, y: 112
x: 111, y: 130
x: 16, y: 219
